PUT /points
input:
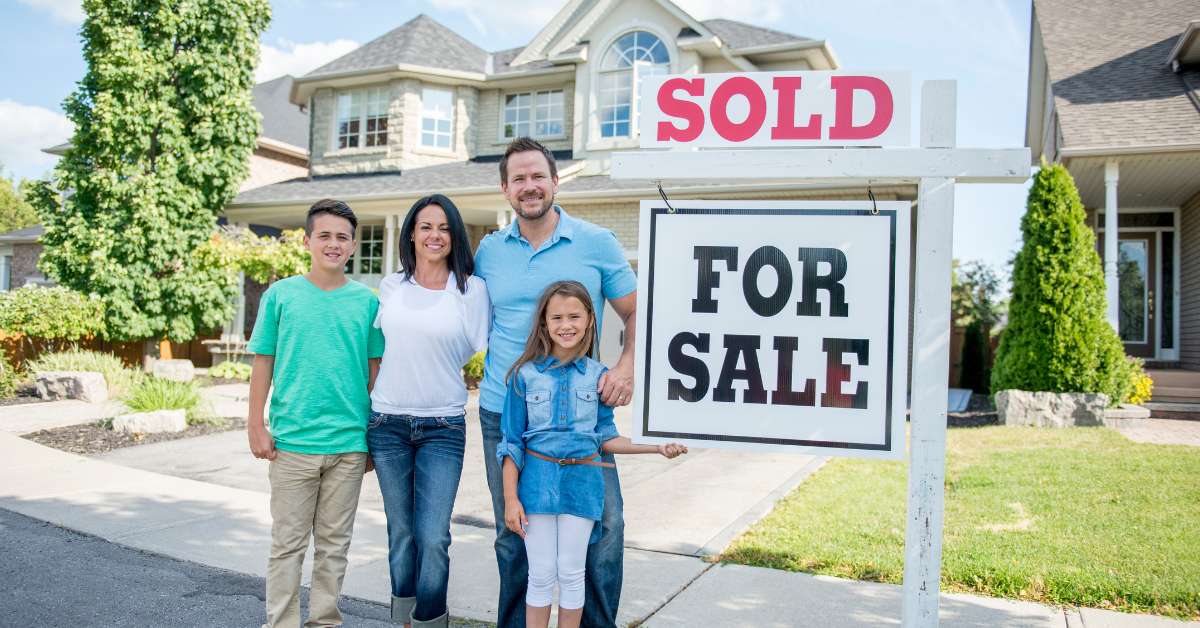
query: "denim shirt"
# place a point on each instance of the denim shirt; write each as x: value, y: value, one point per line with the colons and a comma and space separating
x: 556, y: 411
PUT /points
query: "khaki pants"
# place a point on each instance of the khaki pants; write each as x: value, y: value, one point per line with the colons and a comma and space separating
x: 311, y: 495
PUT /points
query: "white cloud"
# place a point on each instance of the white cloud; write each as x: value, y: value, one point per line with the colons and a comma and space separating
x: 24, y: 131
x: 296, y: 59
x: 70, y: 11
x: 751, y: 11
x: 486, y: 15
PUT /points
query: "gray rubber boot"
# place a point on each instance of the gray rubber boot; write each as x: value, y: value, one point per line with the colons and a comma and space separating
x: 402, y: 608
x: 442, y: 621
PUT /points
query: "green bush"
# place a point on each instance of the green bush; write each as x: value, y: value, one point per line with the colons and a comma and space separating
x: 1058, y: 338
x: 55, y: 314
x: 10, y: 378
x: 231, y: 370
x: 474, y: 367
x: 120, y: 380
x: 163, y: 394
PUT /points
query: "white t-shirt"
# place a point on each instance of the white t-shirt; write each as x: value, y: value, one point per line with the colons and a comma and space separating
x: 430, y: 335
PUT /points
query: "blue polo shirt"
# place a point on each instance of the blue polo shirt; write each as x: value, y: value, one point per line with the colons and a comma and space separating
x: 516, y: 275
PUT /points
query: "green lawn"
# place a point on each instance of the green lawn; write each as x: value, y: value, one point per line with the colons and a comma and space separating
x: 1062, y: 516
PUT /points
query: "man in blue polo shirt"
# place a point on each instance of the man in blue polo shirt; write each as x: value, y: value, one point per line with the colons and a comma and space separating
x: 543, y: 245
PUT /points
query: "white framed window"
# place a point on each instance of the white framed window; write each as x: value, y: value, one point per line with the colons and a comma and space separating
x: 362, y: 118
x: 5, y: 272
x: 437, y: 117
x: 628, y: 61
x: 370, y: 250
x: 534, y: 114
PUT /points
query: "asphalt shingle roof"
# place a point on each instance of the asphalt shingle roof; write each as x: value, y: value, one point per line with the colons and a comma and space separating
x: 742, y: 35
x: 1108, y: 68
x: 444, y: 178
x: 28, y: 234
x: 281, y: 120
x: 420, y: 41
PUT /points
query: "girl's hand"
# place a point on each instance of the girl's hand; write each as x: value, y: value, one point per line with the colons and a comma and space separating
x: 672, y: 450
x: 514, y: 517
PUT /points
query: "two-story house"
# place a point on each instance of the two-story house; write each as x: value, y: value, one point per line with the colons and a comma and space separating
x: 1114, y: 94
x: 422, y: 109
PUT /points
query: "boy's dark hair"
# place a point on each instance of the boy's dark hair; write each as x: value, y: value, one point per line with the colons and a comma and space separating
x: 332, y: 207
x: 520, y: 145
x: 461, y: 262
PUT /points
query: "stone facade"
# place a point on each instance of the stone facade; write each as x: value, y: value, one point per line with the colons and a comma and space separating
x: 403, y: 149
x: 490, y: 138
x: 24, y: 265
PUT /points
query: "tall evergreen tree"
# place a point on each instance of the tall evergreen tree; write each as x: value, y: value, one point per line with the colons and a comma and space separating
x: 1058, y: 338
x: 164, y: 128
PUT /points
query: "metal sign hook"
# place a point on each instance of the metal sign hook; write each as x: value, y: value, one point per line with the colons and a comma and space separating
x: 663, y: 194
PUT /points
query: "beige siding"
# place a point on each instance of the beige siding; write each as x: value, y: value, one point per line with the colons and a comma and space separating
x: 490, y: 140
x: 1189, y: 284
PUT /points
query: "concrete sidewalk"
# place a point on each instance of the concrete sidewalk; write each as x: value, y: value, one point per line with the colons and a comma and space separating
x: 230, y: 528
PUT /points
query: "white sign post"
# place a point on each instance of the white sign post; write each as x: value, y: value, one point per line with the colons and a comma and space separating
x: 772, y: 325
x: 934, y: 167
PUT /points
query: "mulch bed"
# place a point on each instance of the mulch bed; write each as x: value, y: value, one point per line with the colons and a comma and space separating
x: 97, y: 437
x: 979, y: 412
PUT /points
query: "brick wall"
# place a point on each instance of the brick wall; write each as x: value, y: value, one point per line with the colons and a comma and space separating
x: 1189, y: 284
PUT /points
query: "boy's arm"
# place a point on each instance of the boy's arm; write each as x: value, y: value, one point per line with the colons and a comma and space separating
x: 262, y: 444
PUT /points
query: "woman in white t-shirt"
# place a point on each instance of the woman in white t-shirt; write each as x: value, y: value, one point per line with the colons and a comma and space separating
x: 434, y: 315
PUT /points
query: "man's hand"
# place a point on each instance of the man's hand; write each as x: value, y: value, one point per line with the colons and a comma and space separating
x: 262, y: 444
x: 514, y: 517
x: 616, y: 384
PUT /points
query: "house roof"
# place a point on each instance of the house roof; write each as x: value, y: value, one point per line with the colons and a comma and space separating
x: 421, y: 41
x: 1113, y: 87
x: 28, y: 234
x: 742, y: 35
x: 281, y: 120
x: 451, y: 177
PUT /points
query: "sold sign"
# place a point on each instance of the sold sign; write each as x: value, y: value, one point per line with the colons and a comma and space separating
x: 776, y: 109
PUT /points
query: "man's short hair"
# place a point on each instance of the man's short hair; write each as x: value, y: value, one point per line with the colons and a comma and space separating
x: 521, y: 145
x: 332, y: 207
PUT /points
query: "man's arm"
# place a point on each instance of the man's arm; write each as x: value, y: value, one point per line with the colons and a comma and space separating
x: 262, y: 444
x: 616, y: 385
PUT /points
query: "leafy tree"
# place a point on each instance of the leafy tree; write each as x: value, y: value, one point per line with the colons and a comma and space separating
x: 1058, y: 338
x: 15, y: 210
x: 164, y: 128
x: 263, y: 259
x: 975, y: 294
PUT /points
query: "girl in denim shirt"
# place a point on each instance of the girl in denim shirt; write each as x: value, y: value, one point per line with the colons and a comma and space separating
x: 554, y: 430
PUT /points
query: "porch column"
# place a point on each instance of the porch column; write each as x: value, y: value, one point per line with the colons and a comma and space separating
x: 389, y: 245
x: 501, y: 218
x: 1111, y: 287
x: 236, y: 328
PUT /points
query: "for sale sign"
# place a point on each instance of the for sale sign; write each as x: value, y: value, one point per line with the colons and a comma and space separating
x: 776, y: 109
x: 774, y: 325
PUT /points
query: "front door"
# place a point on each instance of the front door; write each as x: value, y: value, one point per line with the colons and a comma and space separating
x: 1137, y: 276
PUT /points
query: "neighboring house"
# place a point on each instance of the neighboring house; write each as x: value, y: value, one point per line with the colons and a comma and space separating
x: 421, y: 109
x: 280, y: 154
x: 1114, y: 94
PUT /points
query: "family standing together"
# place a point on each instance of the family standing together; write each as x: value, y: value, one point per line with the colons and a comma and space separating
x: 358, y: 382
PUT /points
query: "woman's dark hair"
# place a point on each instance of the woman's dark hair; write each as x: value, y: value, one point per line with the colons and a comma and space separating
x: 461, y: 262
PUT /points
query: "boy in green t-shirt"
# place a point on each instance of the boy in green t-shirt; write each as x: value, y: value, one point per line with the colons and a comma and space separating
x: 314, y: 339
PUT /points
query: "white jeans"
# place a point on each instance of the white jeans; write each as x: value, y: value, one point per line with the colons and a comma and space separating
x: 557, y: 549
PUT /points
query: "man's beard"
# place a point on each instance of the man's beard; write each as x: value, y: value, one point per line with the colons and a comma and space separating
x: 534, y: 215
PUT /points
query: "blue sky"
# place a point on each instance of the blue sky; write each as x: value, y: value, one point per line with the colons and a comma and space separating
x: 983, y: 44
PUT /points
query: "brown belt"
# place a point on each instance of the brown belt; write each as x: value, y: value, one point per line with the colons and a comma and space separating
x: 593, y: 460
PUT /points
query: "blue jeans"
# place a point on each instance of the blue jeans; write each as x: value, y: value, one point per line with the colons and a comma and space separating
x: 418, y: 461
x: 605, y: 558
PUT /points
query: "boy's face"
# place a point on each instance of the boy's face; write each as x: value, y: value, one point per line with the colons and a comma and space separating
x: 331, y: 242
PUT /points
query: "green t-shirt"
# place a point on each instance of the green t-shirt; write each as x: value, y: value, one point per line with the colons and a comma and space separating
x: 321, y: 341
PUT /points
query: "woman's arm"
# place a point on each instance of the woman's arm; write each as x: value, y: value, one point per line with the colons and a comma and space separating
x: 622, y: 445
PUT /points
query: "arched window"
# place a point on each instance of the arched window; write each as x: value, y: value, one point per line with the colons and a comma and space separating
x: 631, y: 58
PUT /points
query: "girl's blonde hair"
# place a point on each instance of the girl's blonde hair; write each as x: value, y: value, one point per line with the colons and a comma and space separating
x: 539, y: 344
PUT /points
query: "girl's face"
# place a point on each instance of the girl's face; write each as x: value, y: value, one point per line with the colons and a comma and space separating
x: 431, y: 234
x: 567, y: 320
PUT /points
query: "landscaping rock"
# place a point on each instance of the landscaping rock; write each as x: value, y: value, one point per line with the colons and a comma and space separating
x: 83, y: 385
x: 1046, y: 409
x: 151, y: 422
x: 175, y: 370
